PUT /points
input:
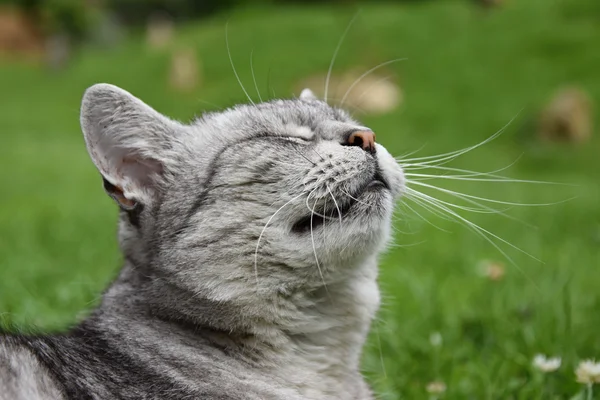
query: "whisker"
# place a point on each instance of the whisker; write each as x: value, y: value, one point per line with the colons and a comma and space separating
x: 360, y: 78
x: 336, y: 204
x: 335, y: 53
x: 263, y: 231
x: 306, y: 158
x: 354, y: 108
x: 402, y: 246
x: 354, y: 198
x: 320, y: 156
x: 413, y: 195
x: 385, y: 78
x: 233, y: 66
x: 254, y: 76
x: 215, y: 106
x: 466, y: 178
x: 410, y: 153
x: 380, y: 350
x: 454, y: 154
x: 417, y: 166
x: 269, y: 88
x: 467, y: 175
x: 312, y: 238
x: 466, y: 172
x: 483, y: 210
x: 483, y: 233
x: 313, y: 211
x: 421, y: 216
x: 453, y: 193
x: 432, y: 200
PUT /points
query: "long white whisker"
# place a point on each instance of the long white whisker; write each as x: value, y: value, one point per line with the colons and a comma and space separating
x: 312, y: 210
x: 380, y: 350
x: 254, y: 76
x: 269, y: 88
x: 233, y: 66
x: 312, y: 238
x: 415, y: 196
x: 467, y: 178
x: 354, y: 198
x: 307, y: 159
x: 415, y: 199
x: 360, y: 78
x: 475, y: 226
x: 454, y: 154
x: 335, y: 53
x: 483, y: 233
x: 434, y: 157
x: 336, y: 204
x: 509, y: 203
x: 263, y: 231
x: 466, y: 172
x: 385, y: 78
x: 483, y: 210
x: 469, y: 174
x: 410, y: 153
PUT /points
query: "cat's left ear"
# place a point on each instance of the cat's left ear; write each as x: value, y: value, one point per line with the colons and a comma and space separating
x: 128, y: 141
x: 307, y: 95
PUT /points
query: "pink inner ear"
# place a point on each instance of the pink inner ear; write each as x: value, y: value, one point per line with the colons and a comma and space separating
x: 139, y: 170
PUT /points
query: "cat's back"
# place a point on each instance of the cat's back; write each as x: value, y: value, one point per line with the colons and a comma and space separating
x: 22, y: 376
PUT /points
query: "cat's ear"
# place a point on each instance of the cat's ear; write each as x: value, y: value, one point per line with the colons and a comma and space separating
x: 128, y: 142
x: 307, y: 95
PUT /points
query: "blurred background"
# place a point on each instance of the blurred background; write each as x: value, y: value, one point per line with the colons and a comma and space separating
x: 463, y: 317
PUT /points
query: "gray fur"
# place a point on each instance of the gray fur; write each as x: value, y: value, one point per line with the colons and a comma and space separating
x: 22, y: 377
x: 202, y: 308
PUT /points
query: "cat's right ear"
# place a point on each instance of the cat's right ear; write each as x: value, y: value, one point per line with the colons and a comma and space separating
x: 128, y: 141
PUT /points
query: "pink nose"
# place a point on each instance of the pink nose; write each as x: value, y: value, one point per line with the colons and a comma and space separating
x: 364, y: 139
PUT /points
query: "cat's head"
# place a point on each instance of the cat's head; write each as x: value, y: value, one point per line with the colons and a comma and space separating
x: 266, y: 197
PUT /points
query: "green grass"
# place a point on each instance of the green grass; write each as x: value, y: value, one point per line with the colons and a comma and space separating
x: 468, y: 73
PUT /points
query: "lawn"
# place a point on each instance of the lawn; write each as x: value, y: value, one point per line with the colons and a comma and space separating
x: 468, y: 73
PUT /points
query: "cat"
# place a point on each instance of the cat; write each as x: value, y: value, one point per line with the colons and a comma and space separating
x: 250, y: 240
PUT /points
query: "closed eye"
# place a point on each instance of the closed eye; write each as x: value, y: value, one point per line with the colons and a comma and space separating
x: 297, y: 139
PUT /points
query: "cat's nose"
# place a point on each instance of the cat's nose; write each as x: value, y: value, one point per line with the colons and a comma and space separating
x: 364, y: 139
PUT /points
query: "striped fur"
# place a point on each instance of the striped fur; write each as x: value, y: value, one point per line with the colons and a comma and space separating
x: 229, y: 289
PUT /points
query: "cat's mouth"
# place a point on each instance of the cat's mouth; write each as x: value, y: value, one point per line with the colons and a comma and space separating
x: 317, y: 218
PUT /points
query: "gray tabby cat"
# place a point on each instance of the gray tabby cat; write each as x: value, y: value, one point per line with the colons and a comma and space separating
x: 250, y: 240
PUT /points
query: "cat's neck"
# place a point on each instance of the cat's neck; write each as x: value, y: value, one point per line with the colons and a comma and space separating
x: 318, y: 333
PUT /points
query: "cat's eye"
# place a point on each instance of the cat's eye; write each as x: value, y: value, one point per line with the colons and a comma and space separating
x: 298, y: 139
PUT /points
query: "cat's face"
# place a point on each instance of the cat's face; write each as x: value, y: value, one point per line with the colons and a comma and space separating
x: 289, y: 192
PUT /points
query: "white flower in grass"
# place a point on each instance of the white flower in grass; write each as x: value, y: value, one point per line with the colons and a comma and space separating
x: 546, y: 364
x: 588, y: 371
x: 436, y: 387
